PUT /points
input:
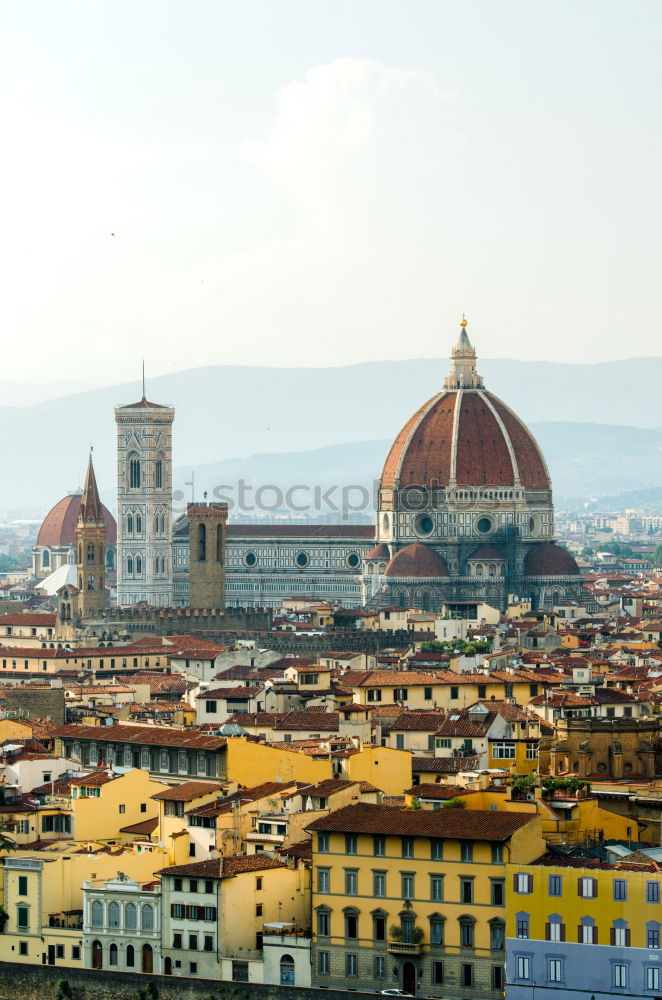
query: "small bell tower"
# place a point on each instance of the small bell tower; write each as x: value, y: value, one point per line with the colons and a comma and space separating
x: 91, y: 549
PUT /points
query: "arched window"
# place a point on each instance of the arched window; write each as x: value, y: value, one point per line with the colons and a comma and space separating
x: 113, y: 915
x: 45, y: 558
x: 163, y: 564
x: 148, y: 958
x: 112, y: 955
x: 139, y: 566
x: 402, y: 599
x: 129, y: 524
x: 134, y: 471
x: 158, y: 473
x: 90, y: 583
x: 148, y: 917
x: 351, y: 923
x: 139, y: 524
x: 202, y: 543
x: 437, y: 929
x: 110, y: 559
x: 467, y: 931
x: 97, y: 913
x: 407, y: 924
x: 97, y: 955
x: 130, y: 957
x: 80, y: 554
x: 287, y: 971
x: 497, y: 934
x: 129, y: 566
x: 379, y: 925
x: 130, y: 916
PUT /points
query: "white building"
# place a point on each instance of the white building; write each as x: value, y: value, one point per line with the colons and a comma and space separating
x: 122, y: 925
x: 144, y: 503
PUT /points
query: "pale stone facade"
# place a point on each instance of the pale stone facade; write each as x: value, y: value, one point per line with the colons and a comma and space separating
x: 144, y: 503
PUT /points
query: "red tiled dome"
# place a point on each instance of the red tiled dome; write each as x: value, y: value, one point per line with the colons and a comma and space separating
x: 379, y: 552
x: 467, y: 437
x: 417, y: 560
x: 549, y: 559
x: 59, y: 525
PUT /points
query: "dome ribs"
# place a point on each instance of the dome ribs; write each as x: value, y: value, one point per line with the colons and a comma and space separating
x: 532, y: 469
x: 482, y: 456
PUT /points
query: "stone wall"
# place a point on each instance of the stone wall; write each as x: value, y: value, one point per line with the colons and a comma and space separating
x: 36, y: 703
x: 38, y: 982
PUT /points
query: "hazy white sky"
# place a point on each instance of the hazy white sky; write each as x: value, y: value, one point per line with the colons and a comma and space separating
x: 319, y: 182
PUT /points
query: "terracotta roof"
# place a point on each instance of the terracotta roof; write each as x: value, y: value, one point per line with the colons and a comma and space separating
x: 437, y: 791
x: 143, y: 404
x: 380, y: 551
x: 303, y: 849
x: 147, y: 735
x: 390, y: 678
x: 238, y: 693
x: 425, y: 722
x: 443, y: 765
x: 220, y: 868
x: 47, y: 619
x: 595, y: 864
x: 549, y: 559
x: 417, y: 560
x: 187, y: 791
x: 311, y: 718
x: 478, y: 824
x: 146, y: 828
x: 476, y: 443
x: 94, y: 779
x: 59, y: 525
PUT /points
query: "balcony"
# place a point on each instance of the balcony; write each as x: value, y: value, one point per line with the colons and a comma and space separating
x: 404, y: 948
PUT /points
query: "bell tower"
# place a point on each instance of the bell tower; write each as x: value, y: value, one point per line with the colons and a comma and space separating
x: 91, y: 549
x: 144, y: 503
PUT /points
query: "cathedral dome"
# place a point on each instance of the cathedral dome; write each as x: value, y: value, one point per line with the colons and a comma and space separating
x: 549, y: 559
x: 379, y: 552
x: 417, y: 560
x: 465, y: 436
x: 59, y: 526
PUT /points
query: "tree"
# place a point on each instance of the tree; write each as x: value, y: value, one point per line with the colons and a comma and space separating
x: 658, y: 554
x: 6, y: 843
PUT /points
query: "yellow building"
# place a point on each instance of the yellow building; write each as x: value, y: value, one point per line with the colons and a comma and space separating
x: 414, y: 899
x: 104, y: 801
x: 43, y: 896
x: 578, y: 926
x: 214, y: 912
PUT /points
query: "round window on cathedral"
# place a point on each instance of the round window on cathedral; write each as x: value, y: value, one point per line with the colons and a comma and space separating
x: 353, y: 560
x: 301, y: 559
x: 423, y: 525
x: 484, y: 525
x: 250, y: 559
x: 534, y: 524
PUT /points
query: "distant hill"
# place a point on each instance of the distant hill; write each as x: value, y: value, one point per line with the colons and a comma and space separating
x: 253, y: 411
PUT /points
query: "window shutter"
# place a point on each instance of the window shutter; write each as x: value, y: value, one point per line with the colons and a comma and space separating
x: 562, y: 926
x: 547, y: 932
x: 172, y: 909
x: 595, y: 934
x: 579, y: 886
x: 595, y: 888
x: 627, y: 937
x: 579, y: 934
x: 529, y: 883
x: 515, y: 883
x: 612, y: 935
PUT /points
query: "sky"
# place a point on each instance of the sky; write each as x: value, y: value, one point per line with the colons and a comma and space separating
x: 322, y: 182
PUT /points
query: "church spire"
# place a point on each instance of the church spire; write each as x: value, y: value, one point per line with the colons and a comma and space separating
x: 463, y: 374
x: 90, y: 504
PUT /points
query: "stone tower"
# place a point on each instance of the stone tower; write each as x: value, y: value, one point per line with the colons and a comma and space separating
x: 206, y: 532
x: 91, y: 549
x: 144, y: 503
